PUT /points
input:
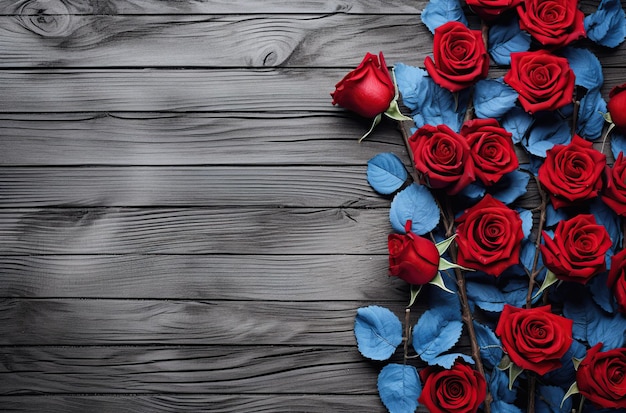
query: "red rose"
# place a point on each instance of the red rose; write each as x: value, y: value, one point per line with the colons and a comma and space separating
x: 460, y: 389
x: 489, y: 236
x: 617, y: 279
x: 617, y: 107
x: 443, y: 158
x: 614, y: 194
x: 460, y: 57
x: 534, y: 338
x: 572, y: 173
x: 601, y: 377
x: 367, y: 90
x: 542, y: 80
x: 554, y: 23
x: 490, y: 9
x: 412, y: 258
x: 578, y: 249
x: 491, y: 148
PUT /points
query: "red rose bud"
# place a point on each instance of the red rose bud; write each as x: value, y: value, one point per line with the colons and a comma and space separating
x: 535, y: 339
x: 542, y: 80
x: 489, y: 236
x: 460, y: 57
x: 617, y: 107
x: 572, y: 173
x: 490, y: 9
x: 617, y: 279
x: 614, y: 194
x: 367, y: 90
x: 601, y: 377
x: 443, y: 158
x: 578, y: 249
x: 460, y: 389
x: 554, y: 23
x: 412, y: 258
x: 491, y: 148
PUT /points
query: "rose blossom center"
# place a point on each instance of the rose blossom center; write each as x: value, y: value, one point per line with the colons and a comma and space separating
x: 550, y: 12
x: 443, y: 152
x: 453, y: 390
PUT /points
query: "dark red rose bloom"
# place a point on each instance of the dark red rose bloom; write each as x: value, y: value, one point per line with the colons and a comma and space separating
x: 542, y: 80
x: 614, y: 193
x: 412, y: 258
x: 367, y: 90
x: 554, y: 23
x: 601, y: 377
x: 578, y: 249
x: 491, y: 148
x: 460, y: 389
x: 534, y: 338
x: 460, y: 57
x: 489, y: 236
x: 617, y: 279
x: 490, y: 9
x: 617, y: 107
x: 572, y: 173
x: 443, y: 158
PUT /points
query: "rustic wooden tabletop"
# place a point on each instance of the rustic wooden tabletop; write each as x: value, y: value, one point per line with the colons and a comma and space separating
x: 185, y: 222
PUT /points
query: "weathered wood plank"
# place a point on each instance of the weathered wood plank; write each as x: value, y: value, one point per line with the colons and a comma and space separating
x: 192, y: 403
x: 305, y: 186
x: 194, y: 231
x: 106, y: 322
x: 331, y: 40
x: 267, y: 90
x: 201, y: 277
x: 186, y: 370
x: 115, y: 7
x: 192, y: 139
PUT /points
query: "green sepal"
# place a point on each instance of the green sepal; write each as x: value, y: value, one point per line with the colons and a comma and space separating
x: 514, y: 370
x: 415, y: 290
x: 607, y: 117
x: 393, y: 111
x: 573, y: 389
x: 547, y: 282
x: 375, y: 122
x: 443, y: 246
x: 446, y: 265
x: 438, y: 281
x: 576, y: 362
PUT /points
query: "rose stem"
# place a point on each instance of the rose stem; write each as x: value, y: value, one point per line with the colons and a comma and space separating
x: 407, y: 333
x: 542, y: 220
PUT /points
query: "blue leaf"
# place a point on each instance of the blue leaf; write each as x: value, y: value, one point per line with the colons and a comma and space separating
x: 506, y: 38
x: 438, y: 12
x: 447, y: 360
x: 493, y: 98
x: 499, y: 406
x: 486, y: 296
x: 498, y: 383
x: 565, y: 375
x: 543, y: 136
x: 618, y: 143
x: 399, y: 387
x: 593, y: 325
x: 515, y: 292
x: 611, y: 221
x: 378, y: 332
x: 527, y: 221
x: 607, y: 25
x: 586, y: 67
x: 436, y: 331
x: 417, y: 204
x: 510, y: 187
x: 386, y: 173
x: 474, y: 191
x: 517, y: 121
x: 548, y: 400
x: 527, y: 254
x: 490, y: 346
x: 590, y: 120
x: 440, y: 298
x: 601, y: 294
x: 553, y: 216
x: 430, y: 103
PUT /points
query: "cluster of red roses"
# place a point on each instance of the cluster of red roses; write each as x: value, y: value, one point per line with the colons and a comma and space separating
x: 489, y: 234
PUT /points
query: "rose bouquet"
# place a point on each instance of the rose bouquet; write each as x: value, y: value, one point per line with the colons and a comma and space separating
x: 509, y: 230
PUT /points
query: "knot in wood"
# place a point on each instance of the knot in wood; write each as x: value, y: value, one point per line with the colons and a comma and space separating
x: 50, y: 18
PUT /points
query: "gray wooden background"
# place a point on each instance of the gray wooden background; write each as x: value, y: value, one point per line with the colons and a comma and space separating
x: 185, y: 221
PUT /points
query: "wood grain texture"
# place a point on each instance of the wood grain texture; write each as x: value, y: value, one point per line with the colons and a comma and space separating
x: 192, y: 139
x: 103, y: 322
x: 194, y: 231
x: 222, y: 91
x: 193, y: 403
x: 336, y: 277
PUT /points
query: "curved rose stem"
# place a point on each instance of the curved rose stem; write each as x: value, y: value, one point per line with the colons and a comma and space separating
x: 407, y: 333
x: 542, y: 221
